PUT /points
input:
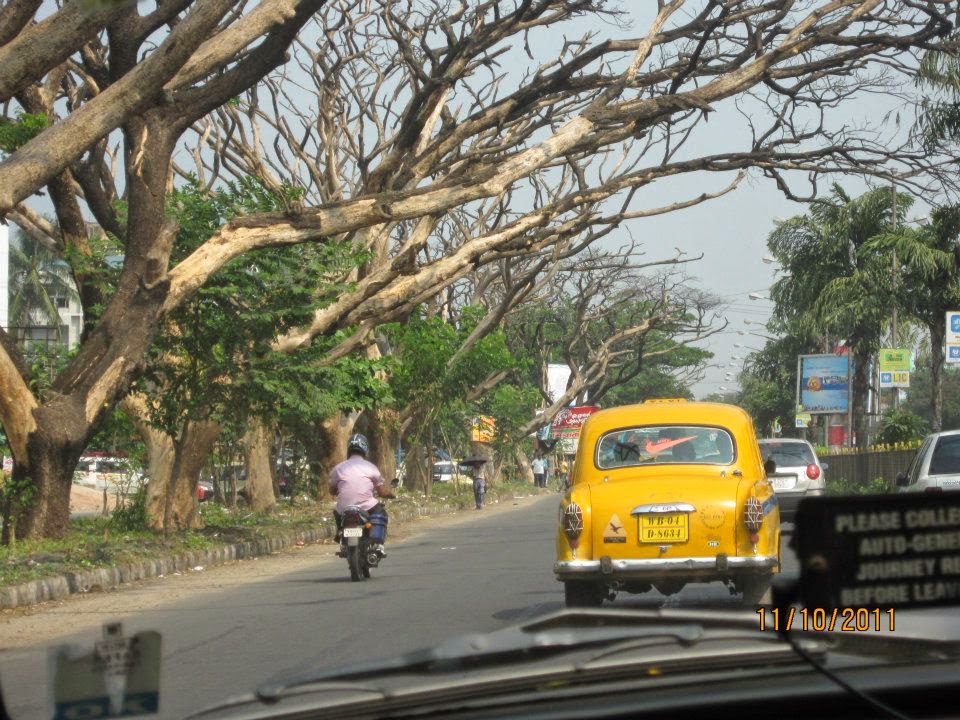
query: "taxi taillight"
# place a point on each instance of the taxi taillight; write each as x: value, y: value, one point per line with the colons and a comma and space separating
x: 573, y: 523
x: 753, y: 517
x: 813, y: 472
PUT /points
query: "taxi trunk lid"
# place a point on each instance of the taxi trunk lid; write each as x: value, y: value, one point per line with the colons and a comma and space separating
x: 694, y: 517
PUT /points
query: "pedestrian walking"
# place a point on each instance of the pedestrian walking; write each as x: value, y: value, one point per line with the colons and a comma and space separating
x: 539, y: 466
x: 479, y: 485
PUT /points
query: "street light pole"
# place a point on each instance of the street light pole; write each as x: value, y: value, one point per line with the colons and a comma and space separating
x: 893, y: 316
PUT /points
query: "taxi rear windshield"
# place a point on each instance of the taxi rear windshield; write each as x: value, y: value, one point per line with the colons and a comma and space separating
x: 665, y: 445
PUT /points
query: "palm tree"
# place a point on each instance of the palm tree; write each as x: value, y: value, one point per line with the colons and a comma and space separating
x: 37, y: 277
x: 939, y: 118
x: 838, y: 285
x: 928, y: 261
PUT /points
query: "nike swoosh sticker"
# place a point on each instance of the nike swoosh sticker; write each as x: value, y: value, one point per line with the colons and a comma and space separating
x: 655, y: 448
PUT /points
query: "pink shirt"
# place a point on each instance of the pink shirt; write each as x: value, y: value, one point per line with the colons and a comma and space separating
x: 356, y: 480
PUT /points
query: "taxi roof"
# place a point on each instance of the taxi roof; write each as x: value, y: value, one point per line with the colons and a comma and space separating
x: 656, y: 412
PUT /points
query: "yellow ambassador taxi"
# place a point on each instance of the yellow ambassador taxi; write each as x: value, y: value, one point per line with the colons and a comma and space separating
x: 663, y: 494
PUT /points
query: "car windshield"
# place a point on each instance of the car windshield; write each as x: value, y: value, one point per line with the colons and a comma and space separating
x: 524, y: 281
x: 665, y: 445
x: 787, y: 454
x: 946, y: 456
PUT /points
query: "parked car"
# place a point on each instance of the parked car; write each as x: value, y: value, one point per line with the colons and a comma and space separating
x: 104, y: 471
x: 204, y: 490
x: 799, y: 472
x: 663, y: 494
x: 935, y: 466
x: 446, y: 471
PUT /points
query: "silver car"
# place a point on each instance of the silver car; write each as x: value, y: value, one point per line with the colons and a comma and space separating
x: 798, y: 474
x: 936, y: 466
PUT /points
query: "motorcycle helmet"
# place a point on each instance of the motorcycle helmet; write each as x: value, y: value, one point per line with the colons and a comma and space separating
x: 358, y: 444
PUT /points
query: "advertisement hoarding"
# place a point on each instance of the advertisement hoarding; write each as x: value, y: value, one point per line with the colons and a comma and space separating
x: 895, y: 360
x: 895, y: 379
x: 558, y: 375
x: 824, y: 384
x: 568, y: 421
x: 952, y: 339
x: 483, y: 429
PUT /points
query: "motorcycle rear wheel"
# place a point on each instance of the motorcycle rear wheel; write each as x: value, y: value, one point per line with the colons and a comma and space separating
x: 354, y: 561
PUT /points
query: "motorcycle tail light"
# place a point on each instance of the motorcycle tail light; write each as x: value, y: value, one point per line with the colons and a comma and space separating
x: 813, y: 472
x: 753, y: 514
x: 933, y: 489
x: 573, y: 523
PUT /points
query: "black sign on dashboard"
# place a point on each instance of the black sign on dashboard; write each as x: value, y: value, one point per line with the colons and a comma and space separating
x: 879, y: 551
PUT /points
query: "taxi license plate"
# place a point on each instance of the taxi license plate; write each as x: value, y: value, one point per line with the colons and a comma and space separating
x: 670, y: 528
x: 784, y: 483
x: 353, y: 532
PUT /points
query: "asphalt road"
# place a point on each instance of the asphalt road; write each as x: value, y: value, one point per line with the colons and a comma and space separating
x: 227, y: 629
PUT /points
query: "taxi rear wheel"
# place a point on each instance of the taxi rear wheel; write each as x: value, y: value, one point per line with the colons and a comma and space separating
x: 580, y: 594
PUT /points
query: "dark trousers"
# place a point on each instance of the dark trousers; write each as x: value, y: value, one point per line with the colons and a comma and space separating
x: 540, y: 480
x: 379, y: 508
x: 479, y: 490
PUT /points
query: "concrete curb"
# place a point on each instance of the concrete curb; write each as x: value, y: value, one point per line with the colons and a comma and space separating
x: 60, y: 586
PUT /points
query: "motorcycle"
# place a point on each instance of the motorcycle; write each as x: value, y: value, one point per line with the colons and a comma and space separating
x: 362, y: 532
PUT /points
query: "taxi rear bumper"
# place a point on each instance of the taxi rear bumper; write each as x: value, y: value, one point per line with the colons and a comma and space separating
x: 609, y: 568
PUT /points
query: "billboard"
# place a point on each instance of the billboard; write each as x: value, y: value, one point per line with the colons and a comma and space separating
x: 952, y: 339
x: 568, y: 421
x: 558, y: 375
x: 894, y: 379
x: 483, y: 429
x: 895, y: 360
x: 824, y: 384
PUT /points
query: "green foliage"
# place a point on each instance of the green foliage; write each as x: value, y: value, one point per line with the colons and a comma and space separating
x: 841, y: 486
x: 37, y: 276
x: 215, y: 356
x: 918, y: 399
x: 899, y: 426
x: 939, y: 117
x: 836, y: 280
x: 132, y: 515
x: 21, y: 130
x: 426, y: 375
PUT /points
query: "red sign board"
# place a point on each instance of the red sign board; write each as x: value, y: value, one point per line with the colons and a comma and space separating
x: 568, y: 421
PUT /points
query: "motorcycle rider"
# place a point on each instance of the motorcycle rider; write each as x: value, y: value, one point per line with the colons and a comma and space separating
x: 357, y: 481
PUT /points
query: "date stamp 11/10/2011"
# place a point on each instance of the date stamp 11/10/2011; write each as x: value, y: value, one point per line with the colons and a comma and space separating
x: 823, y: 620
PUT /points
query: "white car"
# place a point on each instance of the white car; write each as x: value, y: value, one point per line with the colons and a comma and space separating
x: 798, y: 474
x: 936, y: 466
x: 106, y: 472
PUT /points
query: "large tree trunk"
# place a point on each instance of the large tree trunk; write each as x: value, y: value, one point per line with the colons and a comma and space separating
x: 937, y: 331
x: 192, y: 449
x: 384, y: 436
x: 47, y: 440
x: 333, y: 432
x: 256, y: 446
x: 43, y: 472
x: 523, y: 466
x: 160, y: 457
x: 419, y: 477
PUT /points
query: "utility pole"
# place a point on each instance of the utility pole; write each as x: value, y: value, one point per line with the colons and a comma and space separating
x: 893, y: 316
